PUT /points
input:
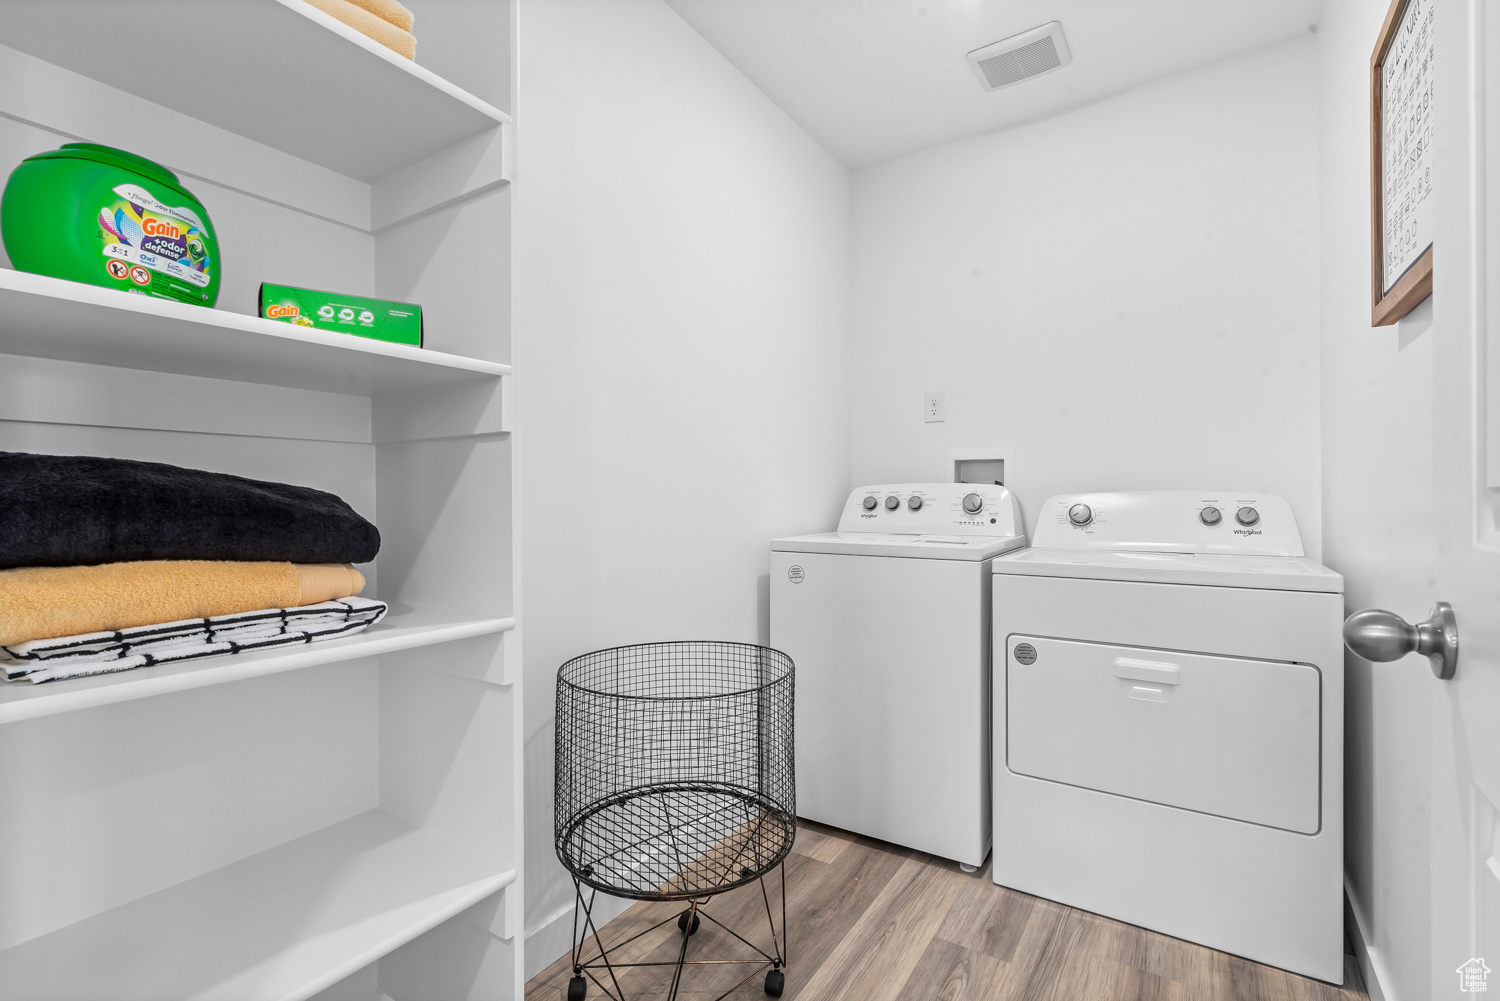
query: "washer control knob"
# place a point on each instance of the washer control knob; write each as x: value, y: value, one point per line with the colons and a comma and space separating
x: 1081, y: 514
x: 914, y: 502
x: 973, y: 503
x: 1247, y: 516
x: 871, y: 503
x: 1210, y: 516
x: 892, y: 502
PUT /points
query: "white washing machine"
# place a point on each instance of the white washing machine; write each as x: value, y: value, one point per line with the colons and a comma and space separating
x: 1169, y: 712
x: 888, y: 622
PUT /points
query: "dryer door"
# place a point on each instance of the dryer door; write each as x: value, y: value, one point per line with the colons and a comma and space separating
x: 1232, y: 737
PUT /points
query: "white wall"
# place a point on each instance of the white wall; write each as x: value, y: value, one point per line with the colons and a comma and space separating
x: 1380, y: 524
x: 1127, y: 293
x: 681, y: 349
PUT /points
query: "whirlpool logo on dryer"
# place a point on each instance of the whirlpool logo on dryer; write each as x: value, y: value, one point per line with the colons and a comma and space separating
x: 1248, y: 531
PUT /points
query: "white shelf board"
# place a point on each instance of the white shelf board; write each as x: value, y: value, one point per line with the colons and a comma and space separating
x: 279, y: 72
x: 278, y: 926
x: 23, y: 700
x: 52, y: 318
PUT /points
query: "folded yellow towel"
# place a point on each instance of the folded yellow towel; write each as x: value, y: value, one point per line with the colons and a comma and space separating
x: 45, y: 602
x: 362, y: 21
x: 388, y: 11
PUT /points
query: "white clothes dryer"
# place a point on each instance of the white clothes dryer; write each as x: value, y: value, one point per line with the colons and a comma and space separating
x: 888, y: 623
x: 1169, y: 706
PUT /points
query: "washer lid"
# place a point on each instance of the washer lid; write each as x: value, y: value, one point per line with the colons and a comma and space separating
x: 1279, y: 573
x: 901, y: 546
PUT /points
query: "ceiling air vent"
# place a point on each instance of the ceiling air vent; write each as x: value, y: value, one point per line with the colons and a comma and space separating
x: 1029, y: 54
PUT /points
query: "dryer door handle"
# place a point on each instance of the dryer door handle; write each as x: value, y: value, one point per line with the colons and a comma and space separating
x: 1154, y: 671
x: 1375, y: 634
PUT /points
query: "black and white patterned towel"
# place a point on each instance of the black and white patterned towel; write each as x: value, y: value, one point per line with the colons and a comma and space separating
x: 190, y: 639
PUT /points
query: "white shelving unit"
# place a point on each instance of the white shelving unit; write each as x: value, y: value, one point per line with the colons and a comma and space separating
x: 392, y: 635
x: 45, y: 317
x: 279, y: 72
x: 340, y: 820
x: 350, y: 893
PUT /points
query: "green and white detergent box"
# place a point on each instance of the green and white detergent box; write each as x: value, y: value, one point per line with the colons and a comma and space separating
x: 398, y: 322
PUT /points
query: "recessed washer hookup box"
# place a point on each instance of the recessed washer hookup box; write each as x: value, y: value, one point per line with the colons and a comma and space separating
x: 398, y: 322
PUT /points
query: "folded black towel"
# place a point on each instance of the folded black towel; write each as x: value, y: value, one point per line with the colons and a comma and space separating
x: 65, y: 510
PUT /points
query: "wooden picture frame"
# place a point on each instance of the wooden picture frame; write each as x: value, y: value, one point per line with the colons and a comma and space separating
x: 1406, y: 35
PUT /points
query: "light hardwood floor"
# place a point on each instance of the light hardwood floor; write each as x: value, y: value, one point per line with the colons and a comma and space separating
x: 874, y: 922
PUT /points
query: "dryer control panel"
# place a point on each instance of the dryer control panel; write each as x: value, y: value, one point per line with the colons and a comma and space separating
x: 932, y: 509
x: 1170, y: 521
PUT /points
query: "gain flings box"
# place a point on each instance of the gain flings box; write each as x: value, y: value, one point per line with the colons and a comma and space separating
x: 381, y: 319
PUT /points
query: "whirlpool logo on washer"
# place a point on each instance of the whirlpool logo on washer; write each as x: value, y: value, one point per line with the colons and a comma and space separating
x: 795, y: 573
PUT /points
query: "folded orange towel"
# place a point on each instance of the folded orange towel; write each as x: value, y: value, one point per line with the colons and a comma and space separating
x: 45, y: 602
x: 362, y: 21
x: 388, y: 11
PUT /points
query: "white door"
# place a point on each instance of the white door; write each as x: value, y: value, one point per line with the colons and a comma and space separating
x: 1431, y: 840
x: 1466, y: 730
x: 1466, y: 735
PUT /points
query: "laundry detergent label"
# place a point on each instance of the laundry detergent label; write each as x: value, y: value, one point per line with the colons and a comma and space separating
x: 142, y: 238
x: 380, y: 319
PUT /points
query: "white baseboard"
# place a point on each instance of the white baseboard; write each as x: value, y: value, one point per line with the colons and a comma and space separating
x: 1371, y: 962
x: 553, y: 937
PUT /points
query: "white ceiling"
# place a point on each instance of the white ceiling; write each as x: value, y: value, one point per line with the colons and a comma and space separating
x: 872, y: 79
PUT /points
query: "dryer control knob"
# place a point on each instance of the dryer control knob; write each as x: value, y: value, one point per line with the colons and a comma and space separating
x: 973, y: 503
x: 1247, y: 516
x: 1210, y: 516
x: 871, y: 503
x: 892, y: 502
x: 914, y: 502
x: 1080, y: 514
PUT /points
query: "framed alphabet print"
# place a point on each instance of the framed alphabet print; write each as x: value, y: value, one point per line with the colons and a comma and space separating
x: 1401, y: 202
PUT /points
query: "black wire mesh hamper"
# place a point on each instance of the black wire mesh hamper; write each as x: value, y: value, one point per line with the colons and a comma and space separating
x: 674, y: 782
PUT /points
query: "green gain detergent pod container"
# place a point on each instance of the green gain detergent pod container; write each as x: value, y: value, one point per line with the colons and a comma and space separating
x: 106, y: 217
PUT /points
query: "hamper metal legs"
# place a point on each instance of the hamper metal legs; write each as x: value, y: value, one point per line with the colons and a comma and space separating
x: 580, y: 968
x: 584, y: 929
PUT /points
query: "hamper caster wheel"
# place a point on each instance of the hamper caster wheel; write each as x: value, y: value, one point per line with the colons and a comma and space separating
x: 578, y: 989
x: 775, y: 983
x: 682, y: 922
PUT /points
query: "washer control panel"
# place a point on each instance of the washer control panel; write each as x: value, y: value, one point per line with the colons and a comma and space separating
x: 1170, y: 521
x: 932, y: 509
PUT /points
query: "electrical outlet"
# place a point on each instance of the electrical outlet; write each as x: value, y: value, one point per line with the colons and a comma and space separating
x: 934, y: 408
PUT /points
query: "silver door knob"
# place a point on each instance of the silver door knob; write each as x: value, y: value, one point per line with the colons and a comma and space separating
x: 1375, y: 634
